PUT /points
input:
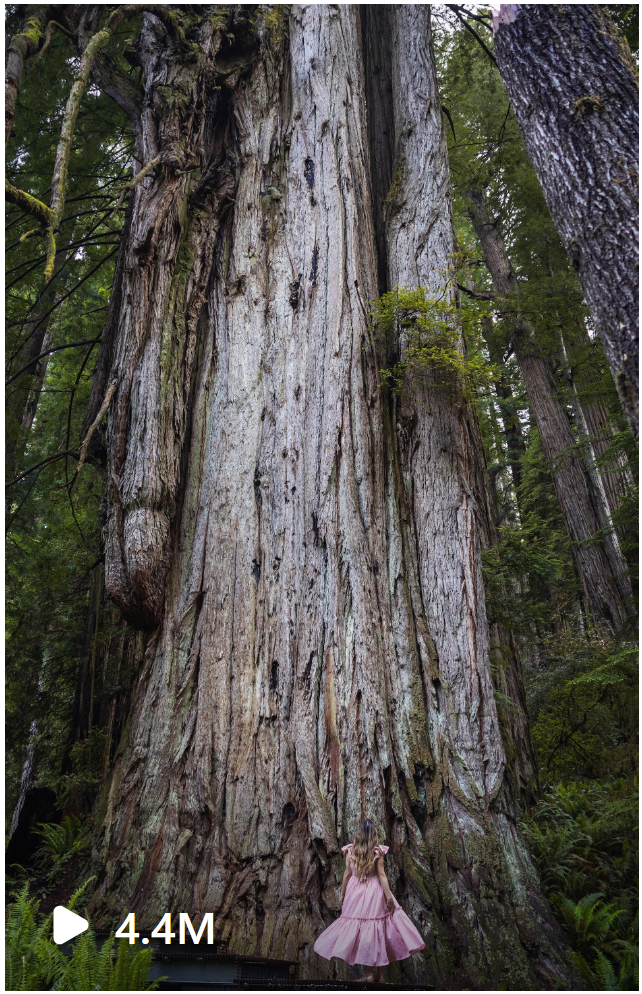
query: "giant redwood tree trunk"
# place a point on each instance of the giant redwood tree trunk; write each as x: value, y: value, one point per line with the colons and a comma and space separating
x: 305, y: 554
x: 600, y: 566
x: 574, y: 88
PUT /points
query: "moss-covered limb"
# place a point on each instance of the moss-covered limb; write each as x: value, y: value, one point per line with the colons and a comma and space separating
x: 48, y: 36
x: 63, y: 153
x: 27, y: 203
x: 23, y: 44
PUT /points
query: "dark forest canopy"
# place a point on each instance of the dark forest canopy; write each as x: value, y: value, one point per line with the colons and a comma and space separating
x: 256, y: 354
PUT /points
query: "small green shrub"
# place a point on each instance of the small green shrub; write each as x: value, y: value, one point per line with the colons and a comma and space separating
x: 60, y: 841
x: 415, y: 331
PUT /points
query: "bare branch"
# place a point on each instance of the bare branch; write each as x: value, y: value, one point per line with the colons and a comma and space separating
x: 92, y: 428
x: 140, y: 175
x: 41, y: 465
x: 58, y: 348
x: 456, y: 11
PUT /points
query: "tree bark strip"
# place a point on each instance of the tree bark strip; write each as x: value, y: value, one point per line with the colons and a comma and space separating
x: 574, y: 88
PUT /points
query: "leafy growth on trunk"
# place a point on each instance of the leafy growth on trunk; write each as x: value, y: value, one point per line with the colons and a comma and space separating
x: 417, y: 332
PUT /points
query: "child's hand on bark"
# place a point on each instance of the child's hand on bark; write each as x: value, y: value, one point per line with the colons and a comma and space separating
x: 390, y: 901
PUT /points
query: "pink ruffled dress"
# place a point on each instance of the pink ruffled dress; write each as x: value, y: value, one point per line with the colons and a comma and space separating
x: 366, y: 932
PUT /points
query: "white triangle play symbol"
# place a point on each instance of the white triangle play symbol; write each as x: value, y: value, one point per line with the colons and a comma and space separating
x: 66, y: 925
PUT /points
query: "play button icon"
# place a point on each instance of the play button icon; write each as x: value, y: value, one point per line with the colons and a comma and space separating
x: 66, y: 925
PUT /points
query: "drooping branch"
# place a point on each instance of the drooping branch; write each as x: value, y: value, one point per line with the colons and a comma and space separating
x: 456, y: 9
x: 40, y: 465
x: 48, y: 36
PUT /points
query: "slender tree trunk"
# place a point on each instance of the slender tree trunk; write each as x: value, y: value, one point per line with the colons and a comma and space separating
x: 600, y: 499
x: 320, y: 646
x: 570, y: 477
x: 573, y: 85
x: 23, y: 395
x: 26, y: 778
x: 615, y: 474
x: 513, y: 434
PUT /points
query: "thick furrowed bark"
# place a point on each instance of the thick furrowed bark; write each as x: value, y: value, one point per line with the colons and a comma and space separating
x: 293, y: 685
x: 603, y: 585
x: 283, y: 720
x: 574, y: 88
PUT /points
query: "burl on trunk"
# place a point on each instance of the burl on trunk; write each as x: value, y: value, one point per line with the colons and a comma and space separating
x: 318, y: 645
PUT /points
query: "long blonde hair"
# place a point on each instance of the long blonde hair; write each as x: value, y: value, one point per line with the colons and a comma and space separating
x: 363, y: 852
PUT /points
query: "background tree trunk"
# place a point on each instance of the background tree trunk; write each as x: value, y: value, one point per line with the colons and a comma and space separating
x: 606, y: 587
x: 320, y: 646
x: 23, y: 394
x: 573, y: 85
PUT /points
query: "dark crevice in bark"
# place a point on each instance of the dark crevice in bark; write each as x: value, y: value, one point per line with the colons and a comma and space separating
x: 377, y: 59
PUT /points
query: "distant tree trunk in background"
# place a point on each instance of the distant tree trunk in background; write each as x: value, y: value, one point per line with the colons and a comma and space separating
x: 616, y: 474
x: 22, y: 396
x: 513, y: 434
x: 305, y: 554
x: 598, y: 488
x: 606, y: 587
x: 573, y: 85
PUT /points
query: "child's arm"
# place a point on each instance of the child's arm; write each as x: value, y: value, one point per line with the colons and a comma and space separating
x: 384, y: 883
x: 346, y: 876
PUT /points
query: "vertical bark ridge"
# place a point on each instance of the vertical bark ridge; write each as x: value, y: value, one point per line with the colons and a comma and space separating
x: 162, y: 288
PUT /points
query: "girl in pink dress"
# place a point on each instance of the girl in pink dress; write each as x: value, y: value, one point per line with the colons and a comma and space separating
x: 372, y: 929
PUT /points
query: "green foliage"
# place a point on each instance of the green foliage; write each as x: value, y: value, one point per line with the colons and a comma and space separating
x: 60, y: 840
x: 425, y: 333
x: 583, y: 835
x: 78, y: 788
x: 61, y: 843
x: 34, y: 963
x: 583, y: 706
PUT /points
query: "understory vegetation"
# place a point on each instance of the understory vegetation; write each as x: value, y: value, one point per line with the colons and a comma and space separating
x: 72, y: 658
